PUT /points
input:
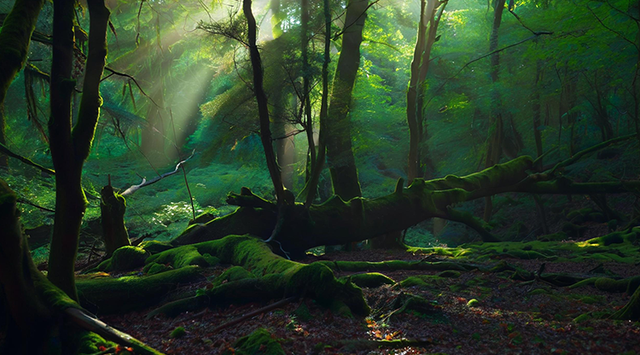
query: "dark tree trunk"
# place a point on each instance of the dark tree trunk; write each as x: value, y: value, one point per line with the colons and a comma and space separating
x: 496, y: 124
x: 70, y: 146
x: 261, y: 98
x: 309, y: 192
x: 112, y: 209
x: 344, y: 175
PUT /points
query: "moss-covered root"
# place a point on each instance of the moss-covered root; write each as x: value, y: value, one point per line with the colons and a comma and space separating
x: 258, y: 342
x: 631, y: 311
x: 275, y: 277
x: 108, y: 295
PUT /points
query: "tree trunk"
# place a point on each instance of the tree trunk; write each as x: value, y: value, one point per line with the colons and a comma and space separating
x: 412, y: 94
x: 70, y: 146
x: 344, y: 175
x: 15, y: 38
x: 309, y: 191
x: 261, y: 98
x: 495, y: 141
x: 112, y: 209
x: 339, y: 222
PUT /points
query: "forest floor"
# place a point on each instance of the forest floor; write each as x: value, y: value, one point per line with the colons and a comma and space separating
x: 509, y: 317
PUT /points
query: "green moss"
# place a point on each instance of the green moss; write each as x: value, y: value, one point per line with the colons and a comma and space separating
x: 155, y: 268
x: 88, y: 343
x: 303, y: 313
x: 451, y: 274
x: 555, y: 237
x: 128, y: 258
x: 526, y: 254
x: 233, y: 273
x: 582, y: 318
x: 318, y: 281
x: 371, y: 279
x: 586, y: 282
x: 180, y: 257
x: 107, y: 295
x: 413, y: 281
x: 539, y: 291
x: 179, y: 332
x: 155, y: 246
x: 606, y: 240
x: 611, y: 285
x: 260, y: 342
x: 473, y: 303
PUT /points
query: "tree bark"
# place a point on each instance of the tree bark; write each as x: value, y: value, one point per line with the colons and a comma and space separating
x: 496, y: 126
x: 309, y: 191
x: 112, y: 209
x: 261, y: 98
x: 15, y: 37
x: 339, y: 222
x: 71, y: 146
x: 344, y: 174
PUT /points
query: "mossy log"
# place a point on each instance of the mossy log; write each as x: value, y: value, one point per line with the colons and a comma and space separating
x: 274, y: 277
x: 338, y: 222
x: 41, y: 318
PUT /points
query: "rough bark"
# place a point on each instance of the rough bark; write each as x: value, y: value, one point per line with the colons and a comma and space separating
x: 112, y: 209
x: 344, y: 175
x: 15, y: 38
x: 70, y: 146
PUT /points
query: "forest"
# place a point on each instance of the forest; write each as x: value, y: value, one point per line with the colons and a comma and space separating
x: 319, y: 177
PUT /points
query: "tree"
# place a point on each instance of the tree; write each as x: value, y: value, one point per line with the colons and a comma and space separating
x: 70, y: 145
x: 261, y: 98
x: 344, y: 175
x: 430, y: 15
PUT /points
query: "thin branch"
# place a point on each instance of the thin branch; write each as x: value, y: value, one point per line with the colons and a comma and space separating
x: 354, y: 21
x: 253, y: 314
x: 611, y: 29
x: 536, y: 35
x: 27, y: 202
x: 7, y: 151
x: 144, y: 182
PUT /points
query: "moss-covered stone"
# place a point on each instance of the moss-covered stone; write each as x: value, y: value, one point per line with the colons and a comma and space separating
x: 473, y: 303
x: 87, y: 343
x: 371, y: 279
x: 260, y: 342
x: 128, y: 258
